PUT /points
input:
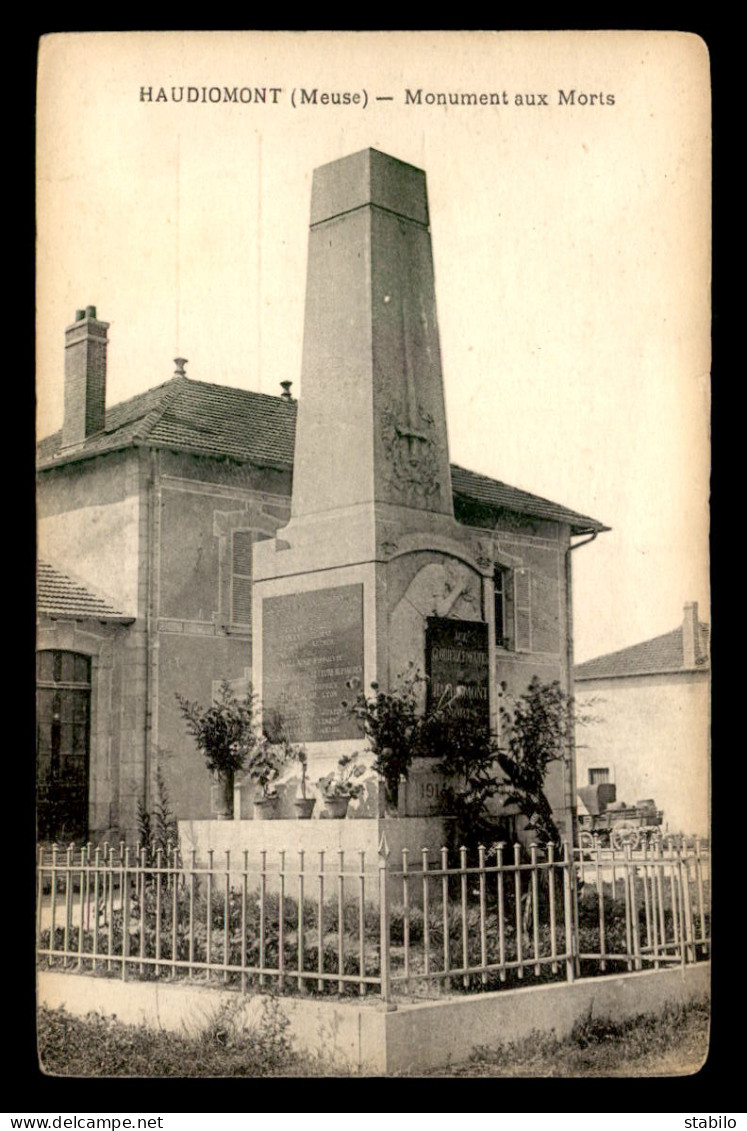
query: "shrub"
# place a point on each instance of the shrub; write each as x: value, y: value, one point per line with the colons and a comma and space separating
x: 535, y: 731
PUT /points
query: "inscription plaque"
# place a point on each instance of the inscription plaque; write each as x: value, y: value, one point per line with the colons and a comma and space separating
x: 312, y: 644
x: 457, y: 663
x: 424, y: 788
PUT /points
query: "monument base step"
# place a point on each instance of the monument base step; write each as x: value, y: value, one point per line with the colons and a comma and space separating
x: 331, y: 847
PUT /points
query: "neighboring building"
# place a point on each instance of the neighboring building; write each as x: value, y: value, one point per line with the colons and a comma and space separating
x: 650, y: 728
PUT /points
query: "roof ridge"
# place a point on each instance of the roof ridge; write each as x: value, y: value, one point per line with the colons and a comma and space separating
x: 171, y: 391
x: 237, y: 389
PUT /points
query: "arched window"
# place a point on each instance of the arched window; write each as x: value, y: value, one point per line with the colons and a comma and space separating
x: 63, y: 681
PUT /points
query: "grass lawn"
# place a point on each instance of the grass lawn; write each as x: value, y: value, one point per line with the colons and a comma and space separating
x: 674, y: 1043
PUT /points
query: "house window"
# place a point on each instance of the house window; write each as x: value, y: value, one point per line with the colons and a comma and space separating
x: 241, y: 575
x: 63, y: 682
x: 600, y: 775
x: 504, y: 608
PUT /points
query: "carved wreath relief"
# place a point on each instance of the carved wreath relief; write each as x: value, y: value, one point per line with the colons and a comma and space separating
x: 411, y: 451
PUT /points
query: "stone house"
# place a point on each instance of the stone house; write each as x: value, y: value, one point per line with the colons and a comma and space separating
x: 150, y: 511
x: 650, y: 734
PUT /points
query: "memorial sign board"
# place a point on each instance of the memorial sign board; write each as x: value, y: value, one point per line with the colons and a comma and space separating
x: 312, y: 644
x: 457, y: 663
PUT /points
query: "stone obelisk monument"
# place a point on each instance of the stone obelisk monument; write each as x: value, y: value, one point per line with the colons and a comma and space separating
x: 372, y: 560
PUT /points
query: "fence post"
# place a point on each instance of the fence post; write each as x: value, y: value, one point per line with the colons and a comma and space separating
x: 576, y: 922
x: 53, y: 906
x: 534, y: 896
x: 301, y: 929
x: 631, y: 867
x: 699, y: 875
x: 96, y: 897
x: 688, y: 908
x: 571, y: 937
x: 125, y: 890
x: 483, y: 929
x: 501, y: 911
x: 386, y: 986
x: 463, y: 888
x: 69, y: 900
x: 39, y: 897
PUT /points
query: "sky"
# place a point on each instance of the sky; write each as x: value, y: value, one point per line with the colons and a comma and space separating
x: 571, y: 244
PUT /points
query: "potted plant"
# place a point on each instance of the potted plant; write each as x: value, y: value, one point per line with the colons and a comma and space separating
x: 264, y: 765
x: 340, y: 787
x: 304, y: 805
x: 224, y: 733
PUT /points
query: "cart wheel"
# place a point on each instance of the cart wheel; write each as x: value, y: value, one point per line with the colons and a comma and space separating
x: 633, y: 838
x: 627, y: 837
x: 587, y: 841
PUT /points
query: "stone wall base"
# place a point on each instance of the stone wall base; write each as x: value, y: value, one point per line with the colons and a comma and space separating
x: 361, y: 1036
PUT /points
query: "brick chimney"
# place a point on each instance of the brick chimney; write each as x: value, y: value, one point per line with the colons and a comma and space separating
x: 690, y: 635
x: 85, y: 377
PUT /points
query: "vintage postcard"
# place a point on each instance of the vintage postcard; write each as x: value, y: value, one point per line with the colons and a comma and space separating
x: 373, y: 669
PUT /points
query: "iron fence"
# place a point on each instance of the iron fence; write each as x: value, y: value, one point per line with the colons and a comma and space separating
x: 336, y: 922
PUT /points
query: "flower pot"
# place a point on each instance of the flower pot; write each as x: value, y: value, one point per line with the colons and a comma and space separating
x: 336, y: 807
x: 265, y: 809
x: 304, y: 807
x: 221, y: 796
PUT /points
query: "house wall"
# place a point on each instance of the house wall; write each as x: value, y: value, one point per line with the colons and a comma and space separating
x: 539, y: 547
x: 89, y: 522
x: 92, y: 519
x: 653, y: 732
x: 199, y: 503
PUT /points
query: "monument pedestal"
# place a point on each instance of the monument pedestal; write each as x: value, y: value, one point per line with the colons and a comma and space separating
x: 331, y: 848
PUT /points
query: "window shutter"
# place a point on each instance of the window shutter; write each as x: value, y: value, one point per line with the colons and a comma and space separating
x: 241, y: 577
x: 523, y: 610
x: 509, y: 618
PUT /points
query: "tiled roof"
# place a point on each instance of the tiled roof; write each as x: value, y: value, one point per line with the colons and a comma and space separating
x: 497, y: 494
x: 660, y: 654
x: 212, y: 420
x: 59, y: 595
x: 225, y: 422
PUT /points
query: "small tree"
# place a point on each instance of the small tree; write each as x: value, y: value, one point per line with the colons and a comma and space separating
x: 393, y: 727
x: 534, y: 733
x: 225, y: 733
